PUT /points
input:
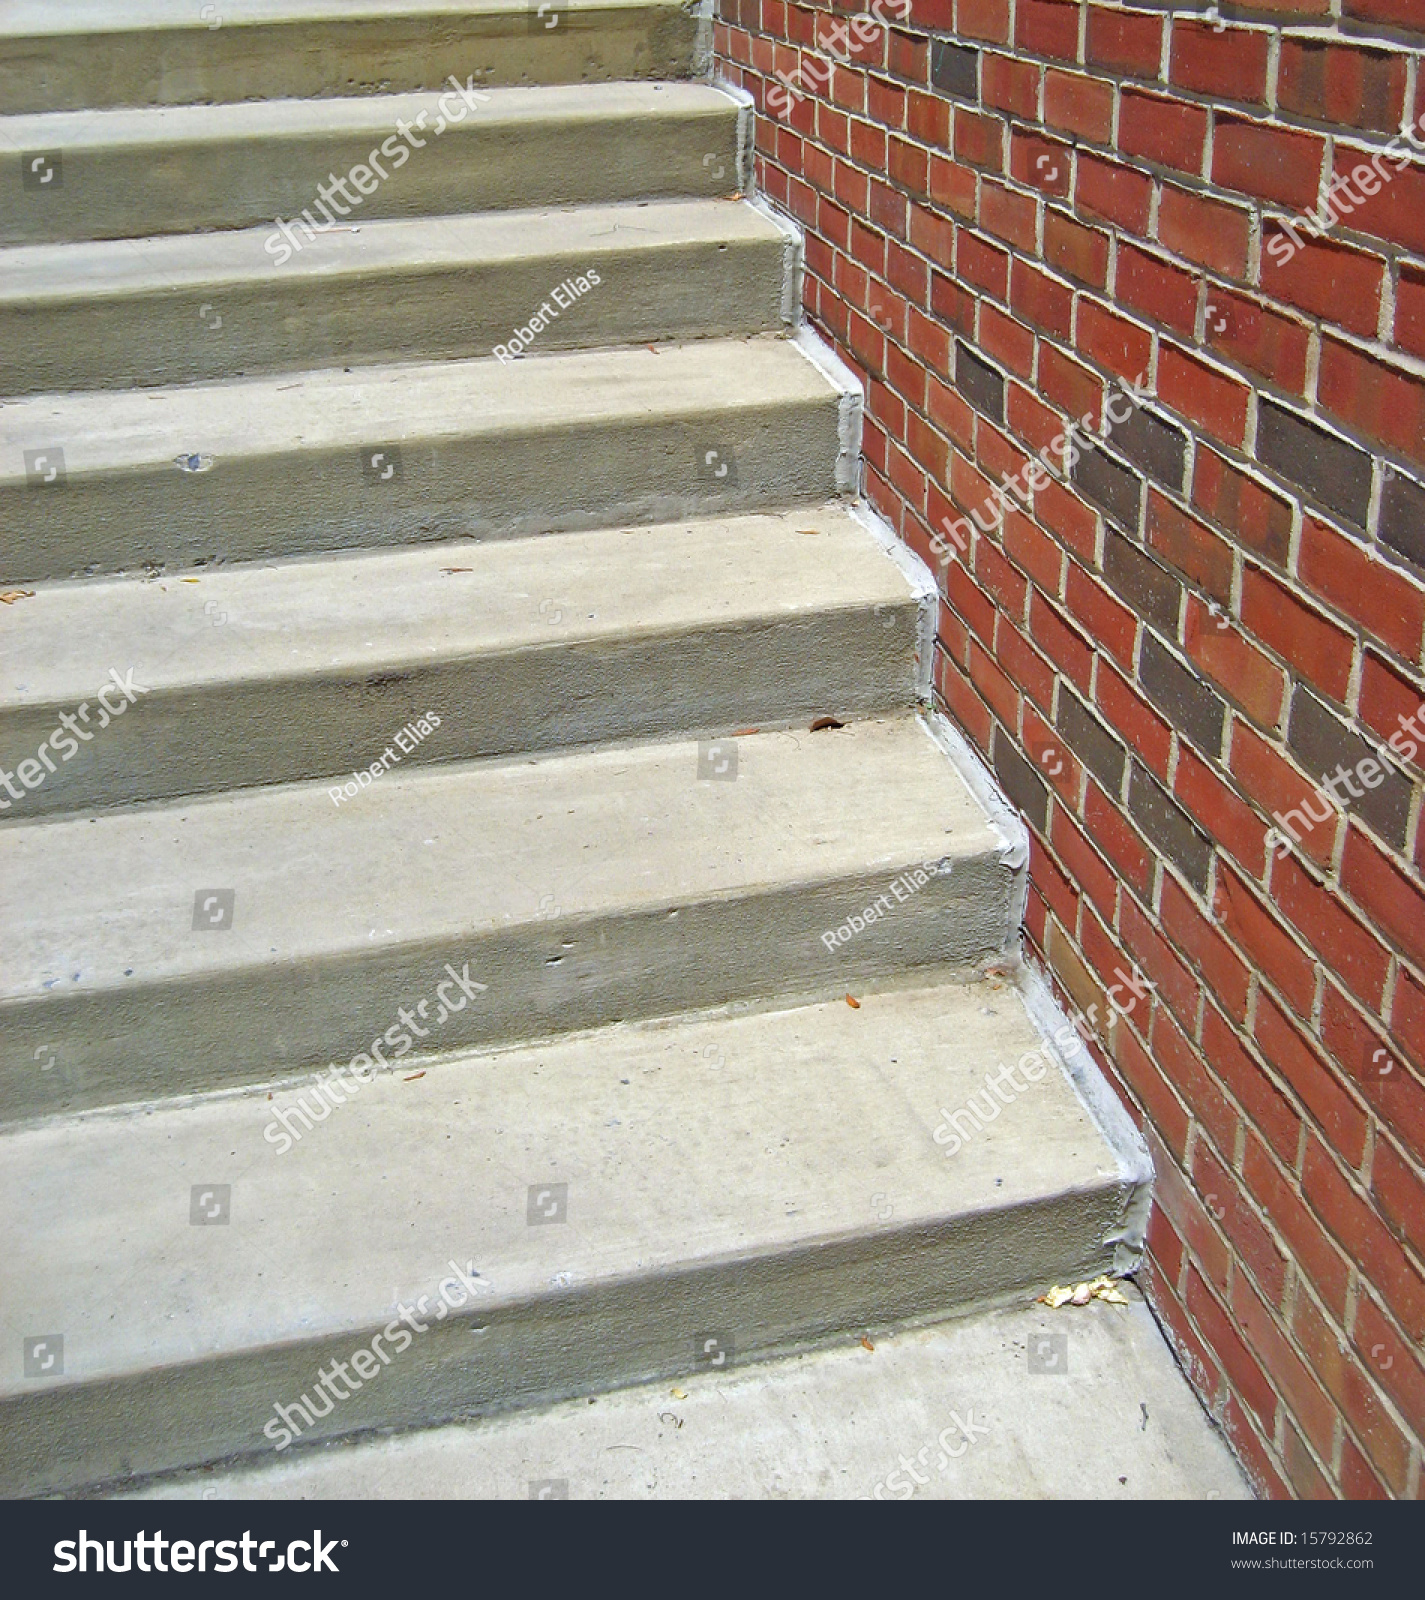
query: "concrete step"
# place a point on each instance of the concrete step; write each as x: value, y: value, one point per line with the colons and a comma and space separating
x: 252, y: 935
x: 174, y: 52
x: 521, y: 644
x: 131, y: 172
x: 290, y: 464
x: 973, y: 1409
x: 633, y: 1202
x: 126, y: 313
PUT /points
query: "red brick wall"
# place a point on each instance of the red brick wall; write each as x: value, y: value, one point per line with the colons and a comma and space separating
x: 1009, y: 206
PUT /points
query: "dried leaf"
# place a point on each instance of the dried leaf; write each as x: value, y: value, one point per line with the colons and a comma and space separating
x: 812, y: 531
x: 1100, y: 1288
x: 853, y: 1002
x: 826, y: 722
x: 745, y: 733
x: 679, y: 1394
x: 457, y: 569
x: 866, y: 1343
x: 412, y: 1078
x: 10, y: 596
x: 190, y: 580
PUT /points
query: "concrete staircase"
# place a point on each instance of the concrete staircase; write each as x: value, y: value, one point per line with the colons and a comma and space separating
x: 463, y: 724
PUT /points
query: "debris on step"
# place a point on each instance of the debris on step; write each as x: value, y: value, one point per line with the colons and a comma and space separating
x: 1101, y: 1288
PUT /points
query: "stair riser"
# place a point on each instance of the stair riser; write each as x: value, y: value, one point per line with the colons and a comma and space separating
x: 288, y: 321
x: 853, y: 663
x: 350, y: 56
x: 535, y: 481
x: 262, y: 1024
x: 563, y: 1344
x: 136, y: 191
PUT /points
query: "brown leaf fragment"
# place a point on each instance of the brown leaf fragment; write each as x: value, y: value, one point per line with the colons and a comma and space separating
x: 826, y: 722
x: 853, y: 1002
x: 866, y: 1343
x: 10, y: 596
x: 413, y: 1076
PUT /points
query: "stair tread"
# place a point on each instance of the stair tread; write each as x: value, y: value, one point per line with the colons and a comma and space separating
x: 464, y: 850
x: 37, y: 276
x: 505, y: 107
x: 399, y: 608
x: 712, y: 1139
x: 832, y: 1424
x: 282, y: 413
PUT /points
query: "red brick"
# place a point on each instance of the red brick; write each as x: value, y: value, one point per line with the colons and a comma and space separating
x: 1267, y: 162
x: 1369, y: 1243
x: 1007, y: 341
x: 1009, y: 215
x: 1126, y: 41
x: 1279, y: 789
x: 954, y: 304
x: 1145, y: 732
x: 1169, y: 132
x: 985, y: 19
x: 1247, y: 512
x: 1398, y: 1369
x: 1112, y: 341
x: 1157, y: 288
x: 1195, y: 1358
x: 1039, y: 162
x: 1183, y: 1064
x: 1387, y: 703
x: 1313, y: 1252
x: 1255, y: 335
x: 1165, y: 1112
x: 1048, y: 28
x: 927, y: 118
x: 1060, y: 894
x: 1076, y: 251
x: 1348, y: 949
x: 1308, y: 1482
x: 1319, y: 649
x: 1228, y: 1345
x: 949, y: 413
x: 1032, y: 422
x: 1341, y: 83
x: 1010, y: 85
x: 1078, y: 104
x: 1068, y: 385
x: 995, y: 688
x: 1040, y: 299
x: 1349, y: 1384
x: 1025, y: 665
x: 1207, y: 231
x: 1378, y: 598
x: 1233, y: 824
x: 1251, y: 926
x: 1253, y: 681
x: 953, y: 186
x: 1187, y: 544
x: 986, y: 266
x: 1176, y: 986
x: 965, y: 705
x: 1383, y: 402
x: 1404, y: 12
x: 1067, y: 517
x: 1163, y: 1244
x: 908, y: 57
x: 1395, y: 1181
x: 979, y: 139
x: 907, y: 165
x: 1221, y: 968
x: 885, y: 102
x: 1330, y: 280
x: 1060, y: 640
x: 1381, y: 889
x: 1296, y: 1060
x: 1307, y: 1401
x: 1214, y: 399
x: 1117, y: 838
x: 1228, y: 64
x: 1086, y: 868
x: 1359, y: 1480
x: 1115, y: 192
x: 1408, y: 1016
x: 1109, y: 623
x: 1409, y: 304
x: 1397, y: 211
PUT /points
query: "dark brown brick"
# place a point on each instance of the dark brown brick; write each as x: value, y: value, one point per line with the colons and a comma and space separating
x: 1169, y: 827
x: 1090, y: 741
x: 1020, y: 781
x: 955, y: 69
x: 1323, y: 744
x: 1151, y: 590
x: 1109, y: 484
x: 1156, y: 446
x: 1336, y: 473
x: 1177, y: 690
x: 980, y: 383
x: 1402, y: 516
